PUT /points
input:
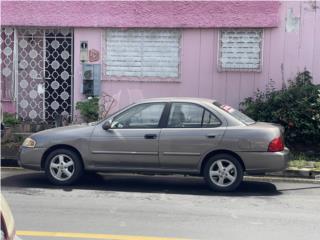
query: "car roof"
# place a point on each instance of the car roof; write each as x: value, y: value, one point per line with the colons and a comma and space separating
x: 177, y: 99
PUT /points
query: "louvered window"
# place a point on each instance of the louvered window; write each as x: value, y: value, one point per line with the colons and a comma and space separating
x: 142, y: 53
x: 240, y: 49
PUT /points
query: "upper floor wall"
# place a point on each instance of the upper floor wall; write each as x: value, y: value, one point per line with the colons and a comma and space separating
x: 155, y: 14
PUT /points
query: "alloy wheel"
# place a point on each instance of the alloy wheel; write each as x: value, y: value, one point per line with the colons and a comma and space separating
x: 223, y: 173
x: 62, y: 167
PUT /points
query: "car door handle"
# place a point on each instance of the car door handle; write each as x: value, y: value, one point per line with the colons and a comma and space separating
x: 211, y: 136
x: 150, y: 136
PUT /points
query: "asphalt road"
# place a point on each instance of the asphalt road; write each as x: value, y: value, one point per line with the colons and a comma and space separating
x: 161, y: 206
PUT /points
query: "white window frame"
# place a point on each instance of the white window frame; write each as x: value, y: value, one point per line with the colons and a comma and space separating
x: 140, y: 78
x: 226, y: 69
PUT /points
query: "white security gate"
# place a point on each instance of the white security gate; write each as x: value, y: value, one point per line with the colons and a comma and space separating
x: 31, y: 58
x: 43, y: 73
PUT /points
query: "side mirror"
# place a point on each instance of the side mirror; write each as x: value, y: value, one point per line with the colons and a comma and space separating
x: 107, y: 125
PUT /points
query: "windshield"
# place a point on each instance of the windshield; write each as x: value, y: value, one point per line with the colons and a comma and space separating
x: 235, y: 113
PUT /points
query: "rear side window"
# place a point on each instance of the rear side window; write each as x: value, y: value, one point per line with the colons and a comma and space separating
x: 235, y: 113
x: 188, y: 115
x: 210, y: 120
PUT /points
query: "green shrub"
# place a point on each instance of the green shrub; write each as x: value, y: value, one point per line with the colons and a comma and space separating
x: 296, y: 107
x: 89, y: 109
x: 317, y: 165
x: 9, y: 119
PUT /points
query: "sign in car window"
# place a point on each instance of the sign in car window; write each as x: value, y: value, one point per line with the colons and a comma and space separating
x: 235, y: 113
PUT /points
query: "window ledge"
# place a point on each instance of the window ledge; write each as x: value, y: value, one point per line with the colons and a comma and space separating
x: 244, y: 70
x: 143, y: 79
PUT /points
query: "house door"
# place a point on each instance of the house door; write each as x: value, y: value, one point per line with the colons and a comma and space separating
x: 44, y: 74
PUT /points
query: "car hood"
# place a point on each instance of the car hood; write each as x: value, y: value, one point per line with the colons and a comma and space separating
x: 62, y: 135
x: 63, y: 129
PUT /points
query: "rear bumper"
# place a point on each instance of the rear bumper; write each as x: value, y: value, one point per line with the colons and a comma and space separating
x: 262, y: 162
x: 30, y: 158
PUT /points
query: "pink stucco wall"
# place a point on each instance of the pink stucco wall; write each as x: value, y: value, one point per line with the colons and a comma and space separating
x: 182, y: 14
x: 94, y: 37
x: 8, y: 106
x: 284, y: 54
x: 287, y: 49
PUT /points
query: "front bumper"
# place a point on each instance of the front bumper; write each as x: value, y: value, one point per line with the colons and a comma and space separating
x: 262, y: 162
x: 31, y: 157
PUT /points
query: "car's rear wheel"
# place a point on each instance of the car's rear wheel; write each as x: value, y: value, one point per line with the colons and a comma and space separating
x: 223, y: 172
x: 63, y: 167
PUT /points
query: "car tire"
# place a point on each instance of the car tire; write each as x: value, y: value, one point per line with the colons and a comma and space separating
x: 223, y: 172
x: 63, y: 167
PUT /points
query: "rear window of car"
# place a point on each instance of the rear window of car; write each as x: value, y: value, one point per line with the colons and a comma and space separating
x: 235, y: 113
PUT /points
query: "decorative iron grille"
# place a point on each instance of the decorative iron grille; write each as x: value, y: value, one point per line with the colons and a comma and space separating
x: 7, y: 63
x: 44, y: 74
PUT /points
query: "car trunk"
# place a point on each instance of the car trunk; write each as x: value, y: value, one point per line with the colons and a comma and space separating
x: 268, y: 126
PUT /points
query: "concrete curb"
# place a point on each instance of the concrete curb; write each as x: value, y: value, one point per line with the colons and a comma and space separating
x: 282, y: 179
x: 303, y: 172
x: 292, y: 173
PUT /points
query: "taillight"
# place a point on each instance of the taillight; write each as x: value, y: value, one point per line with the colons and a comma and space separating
x: 276, y: 145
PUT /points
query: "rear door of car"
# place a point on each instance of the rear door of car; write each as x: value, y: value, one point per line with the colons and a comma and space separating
x: 190, y: 133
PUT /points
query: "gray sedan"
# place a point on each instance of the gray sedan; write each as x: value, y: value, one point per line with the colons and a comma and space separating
x: 161, y: 136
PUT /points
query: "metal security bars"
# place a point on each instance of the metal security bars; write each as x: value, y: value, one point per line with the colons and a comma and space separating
x: 44, y: 74
x: 240, y: 49
x: 142, y: 53
x: 7, y: 63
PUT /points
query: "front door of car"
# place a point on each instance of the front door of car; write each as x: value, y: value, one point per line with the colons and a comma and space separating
x: 132, y: 141
x: 191, y: 132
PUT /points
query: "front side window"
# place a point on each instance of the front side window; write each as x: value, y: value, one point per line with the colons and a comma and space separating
x: 141, y: 116
x: 142, y: 53
x: 188, y: 115
x: 240, y: 49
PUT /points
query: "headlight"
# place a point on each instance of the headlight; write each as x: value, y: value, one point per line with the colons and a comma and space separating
x: 29, y: 142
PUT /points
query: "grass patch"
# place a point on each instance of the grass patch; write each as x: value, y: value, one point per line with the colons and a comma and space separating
x: 303, y: 160
x: 297, y: 163
x: 317, y: 165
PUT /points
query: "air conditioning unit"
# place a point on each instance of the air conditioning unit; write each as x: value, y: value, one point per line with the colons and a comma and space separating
x: 91, y: 79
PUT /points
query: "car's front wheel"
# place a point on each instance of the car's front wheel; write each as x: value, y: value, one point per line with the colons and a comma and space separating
x: 63, y: 167
x: 223, y: 172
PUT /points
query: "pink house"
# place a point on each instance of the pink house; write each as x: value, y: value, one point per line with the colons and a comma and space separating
x: 55, y: 53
